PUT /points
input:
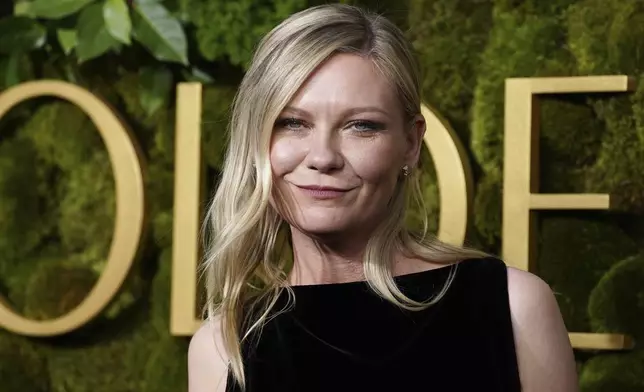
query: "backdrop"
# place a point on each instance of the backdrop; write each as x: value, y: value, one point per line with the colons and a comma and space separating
x: 57, y: 197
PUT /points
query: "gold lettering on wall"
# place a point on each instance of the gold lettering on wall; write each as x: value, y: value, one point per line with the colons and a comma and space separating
x: 187, y: 201
x: 454, y: 175
x: 521, y: 197
x: 129, y: 221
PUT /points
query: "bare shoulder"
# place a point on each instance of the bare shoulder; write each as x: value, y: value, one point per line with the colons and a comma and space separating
x: 207, y: 360
x: 545, y: 356
x: 528, y: 291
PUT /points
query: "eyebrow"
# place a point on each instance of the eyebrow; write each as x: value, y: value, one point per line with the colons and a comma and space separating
x: 346, y: 113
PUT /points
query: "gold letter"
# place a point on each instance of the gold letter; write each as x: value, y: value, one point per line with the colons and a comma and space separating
x: 520, y: 178
x: 454, y: 177
x: 129, y: 207
x: 187, y: 199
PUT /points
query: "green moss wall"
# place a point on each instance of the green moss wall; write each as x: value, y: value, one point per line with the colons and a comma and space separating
x: 57, y: 189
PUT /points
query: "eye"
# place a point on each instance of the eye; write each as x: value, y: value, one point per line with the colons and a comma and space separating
x: 290, y: 123
x: 366, y: 126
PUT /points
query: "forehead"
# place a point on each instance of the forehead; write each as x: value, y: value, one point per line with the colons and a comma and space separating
x: 344, y: 81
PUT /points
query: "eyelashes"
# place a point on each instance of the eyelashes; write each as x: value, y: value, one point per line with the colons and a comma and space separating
x: 290, y: 123
x: 295, y: 124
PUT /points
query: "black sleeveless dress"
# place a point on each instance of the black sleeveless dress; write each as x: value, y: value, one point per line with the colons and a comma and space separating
x: 343, y: 337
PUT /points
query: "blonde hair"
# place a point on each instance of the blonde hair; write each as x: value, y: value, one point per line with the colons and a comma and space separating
x: 245, y: 274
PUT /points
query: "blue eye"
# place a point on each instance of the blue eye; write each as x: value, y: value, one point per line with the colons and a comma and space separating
x: 366, y: 126
x: 289, y: 123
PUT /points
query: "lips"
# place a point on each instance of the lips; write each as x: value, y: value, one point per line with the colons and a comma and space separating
x: 322, y: 192
x: 322, y: 188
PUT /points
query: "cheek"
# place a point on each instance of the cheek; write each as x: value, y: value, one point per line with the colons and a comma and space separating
x: 377, y: 165
x: 285, y: 155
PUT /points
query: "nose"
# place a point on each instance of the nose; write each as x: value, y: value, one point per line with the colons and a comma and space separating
x: 324, y: 152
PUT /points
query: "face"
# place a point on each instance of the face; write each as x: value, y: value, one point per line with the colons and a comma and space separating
x: 338, y: 148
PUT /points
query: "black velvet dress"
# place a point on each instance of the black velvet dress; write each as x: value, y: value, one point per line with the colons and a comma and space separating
x: 343, y: 337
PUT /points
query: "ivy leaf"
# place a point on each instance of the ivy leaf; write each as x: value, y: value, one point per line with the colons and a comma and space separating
x: 21, y: 8
x: 160, y: 32
x: 68, y: 39
x: 117, y: 20
x: 54, y: 9
x: 12, y: 75
x: 194, y: 74
x: 93, y: 37
x: 16, y: 70
x: 155, y: 88
x: 21, y: 34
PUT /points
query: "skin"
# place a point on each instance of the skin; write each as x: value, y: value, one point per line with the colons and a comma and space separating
x: 344, y: 129
x: 326, y: 137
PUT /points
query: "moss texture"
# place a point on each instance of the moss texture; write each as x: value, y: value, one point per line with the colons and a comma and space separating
x: 604, y: 39
x: 57, y: 191
x: 575, y: 251
x: 449, y: 71
x: 22, y: 367
x: 613, y: 372
x: 519, y: 31
x: 617, y: 302
x: 429, y: 189
x: 229, y: 31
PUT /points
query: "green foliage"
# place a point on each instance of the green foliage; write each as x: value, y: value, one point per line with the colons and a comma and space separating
x: 21, y: 366
x: 449, y: 71
x: 66, y: 139
x: 613, y: 372
x: 617, y: 302
x: 600, y: 41
x: 513, y: 41
x: 15, y: 69
x: 570, y: 141
x: 18, y: 211
x: 430, y: 196
x: 229, y: 30
x: 156, y: 84
x: 54, y: 289
x: 20, y: 34
x: 160, y: 292
x: 574, y: 252
x: 162, y: 375
x: 216, y: 102
x: 53, y: 10
x: 88, y: 192
x: 117, y: 20
x: 488, y: 207
x: 91, y: 367
x: 620, y: 164
x: 638, y: 109
x: 94, y: 39
x: 551, y: 8
x: 160, y: 32
x: 92, y: 28
x: 134, y: 353
x: 605, y: 36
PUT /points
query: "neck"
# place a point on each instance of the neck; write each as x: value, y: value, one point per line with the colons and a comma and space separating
x: 326, y: 259
x: 338, y: 258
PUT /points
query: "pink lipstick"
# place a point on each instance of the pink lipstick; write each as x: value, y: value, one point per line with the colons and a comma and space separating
x: 322, y: 192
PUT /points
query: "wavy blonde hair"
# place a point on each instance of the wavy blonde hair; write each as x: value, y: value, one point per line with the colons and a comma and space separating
x: 245, y: 272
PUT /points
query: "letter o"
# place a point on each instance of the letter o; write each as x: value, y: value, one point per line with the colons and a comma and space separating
x: 129, y: 222
x: 454, y: 174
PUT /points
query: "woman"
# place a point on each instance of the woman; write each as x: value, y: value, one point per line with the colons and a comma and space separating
x: 325, y: 134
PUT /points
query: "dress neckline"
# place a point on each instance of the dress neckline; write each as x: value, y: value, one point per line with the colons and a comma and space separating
x: 398, y: 278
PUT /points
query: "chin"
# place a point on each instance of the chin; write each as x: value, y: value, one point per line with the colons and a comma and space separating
x: 324, y: 225
x: 322, y: 229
